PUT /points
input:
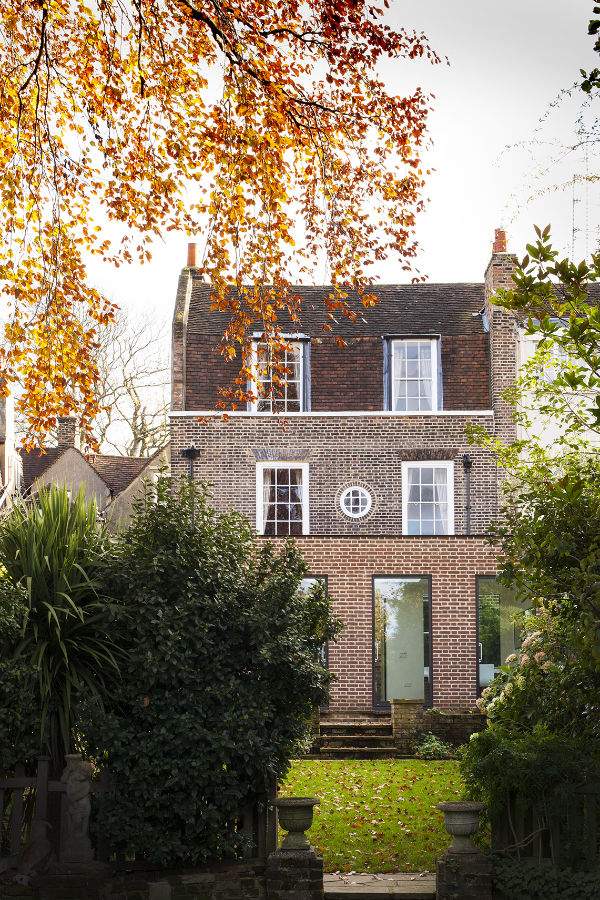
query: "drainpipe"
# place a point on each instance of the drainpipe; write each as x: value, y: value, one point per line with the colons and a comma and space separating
x: 467, y: 463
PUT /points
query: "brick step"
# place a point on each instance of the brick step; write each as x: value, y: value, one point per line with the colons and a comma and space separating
x: 355, y: 716
x: 355, y: 753
x: 357, y: 740
x: 362, y: 729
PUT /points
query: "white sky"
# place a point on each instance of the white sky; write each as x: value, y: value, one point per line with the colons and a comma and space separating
x: 508, y: 62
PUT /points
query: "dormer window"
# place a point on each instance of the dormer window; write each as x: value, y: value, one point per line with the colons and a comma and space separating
x: 412, y: 374
x: 281, y: 379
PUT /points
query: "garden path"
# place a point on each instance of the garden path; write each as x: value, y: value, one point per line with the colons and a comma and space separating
x: 393, y: 885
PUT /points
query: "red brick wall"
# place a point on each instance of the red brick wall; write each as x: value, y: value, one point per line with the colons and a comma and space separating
x: 206, y: 371
x: 465, y: 371
x: 453, y: 563
x: 347, y: 378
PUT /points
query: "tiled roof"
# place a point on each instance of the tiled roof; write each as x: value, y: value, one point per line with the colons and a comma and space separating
x: 403, y: 309
x: 36, y: 463
x: 117, y: 472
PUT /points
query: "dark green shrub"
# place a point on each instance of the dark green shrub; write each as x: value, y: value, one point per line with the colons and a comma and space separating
x: 20, y: 713
x: 432, y: 747
x: 537, y: 766
x: 513, y: 878
x: 221, y: 678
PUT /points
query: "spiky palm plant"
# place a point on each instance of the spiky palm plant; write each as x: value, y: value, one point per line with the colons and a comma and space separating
x: 51, y: 550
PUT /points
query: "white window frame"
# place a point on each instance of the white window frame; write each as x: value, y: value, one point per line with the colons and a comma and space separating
x: 365, y: 511
x: 281, y: 464
x: 429, y: 464
x: 297, y: 345
x: 434, y: 345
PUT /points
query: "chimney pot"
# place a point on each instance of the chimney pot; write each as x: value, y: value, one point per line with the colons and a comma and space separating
x: 191, y: 258
x: 499, y: 241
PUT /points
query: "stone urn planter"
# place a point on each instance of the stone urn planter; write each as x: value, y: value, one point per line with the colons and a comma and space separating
x: 461, y: 820
x: 295, y: 817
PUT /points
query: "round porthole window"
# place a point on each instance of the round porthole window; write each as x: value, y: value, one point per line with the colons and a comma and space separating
x: 355, y: 502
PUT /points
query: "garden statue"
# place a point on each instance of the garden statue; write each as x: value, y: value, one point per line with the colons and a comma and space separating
x: 75, y: 841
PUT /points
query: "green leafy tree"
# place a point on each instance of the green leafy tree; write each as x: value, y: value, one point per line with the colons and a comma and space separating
x: 55, y: 644
x: 543, y: 710
x: 221, y: 675
x: 552, y: 297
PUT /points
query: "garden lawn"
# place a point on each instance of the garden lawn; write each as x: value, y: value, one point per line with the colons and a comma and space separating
x: 376, y: 815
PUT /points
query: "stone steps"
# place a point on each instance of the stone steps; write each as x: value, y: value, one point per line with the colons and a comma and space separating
x: 355, y: 753
x: 354, y: 734
x: 358, y: 729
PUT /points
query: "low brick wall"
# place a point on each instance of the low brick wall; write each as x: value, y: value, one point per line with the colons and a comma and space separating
x: 410, y: 722
x: 225, y: 881
x: 456, y: 726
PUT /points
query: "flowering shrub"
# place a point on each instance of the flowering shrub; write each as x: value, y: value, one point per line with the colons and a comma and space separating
x: 553, y: 680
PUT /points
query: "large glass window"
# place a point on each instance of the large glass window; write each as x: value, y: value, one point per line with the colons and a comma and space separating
x: 278, y: 378
x: 414, y: 375
x: 498, y: 636
x: 428, y: 498
x: 304, y: 587
x: 402, y: 651
x: 282, y: 498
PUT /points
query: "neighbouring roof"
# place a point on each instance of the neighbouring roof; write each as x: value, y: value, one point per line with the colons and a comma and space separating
x: 36, y: 463
x: 402, y: 309
x: 117, y: 472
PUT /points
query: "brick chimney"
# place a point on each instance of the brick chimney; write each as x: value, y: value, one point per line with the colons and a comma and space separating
x: 67, y: 432
x: 503, y: 335
x: 192, y: 256
x: 499, y: 241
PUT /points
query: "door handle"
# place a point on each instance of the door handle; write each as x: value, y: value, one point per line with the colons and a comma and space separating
x: 480, y: 645
x: 376, y: 651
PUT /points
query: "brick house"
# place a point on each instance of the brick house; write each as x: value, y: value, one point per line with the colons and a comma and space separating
x: 368, y: 466
x: 113, y: 482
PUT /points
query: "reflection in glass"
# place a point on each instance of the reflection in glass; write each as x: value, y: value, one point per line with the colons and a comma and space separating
x: 282, y: 501
x: 401, y: 651
x: 279, y: 379
x: 498, y: 637
x: 412, y: 376
x: 303, y: 588
x: 427, y: 506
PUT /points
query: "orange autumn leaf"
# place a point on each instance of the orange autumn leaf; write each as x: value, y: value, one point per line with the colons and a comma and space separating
x: 262, y: 126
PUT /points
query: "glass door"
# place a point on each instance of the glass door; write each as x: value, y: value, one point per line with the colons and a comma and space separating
x: 401, y: 645
x: 498, y: 636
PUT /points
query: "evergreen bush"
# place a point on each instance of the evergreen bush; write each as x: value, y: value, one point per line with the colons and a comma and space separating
x: 220, y: 680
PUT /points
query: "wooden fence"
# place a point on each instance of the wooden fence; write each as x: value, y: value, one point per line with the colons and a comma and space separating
x: 563, y: 831
x: 25, y: 800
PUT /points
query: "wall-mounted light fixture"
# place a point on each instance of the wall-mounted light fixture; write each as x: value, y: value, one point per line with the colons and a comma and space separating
x: 191, y: 453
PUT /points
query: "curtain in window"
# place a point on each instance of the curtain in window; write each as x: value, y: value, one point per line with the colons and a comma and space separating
x: 414, y: 501
x: 269, y: 501
x: 295, y: 501
x: 440, y: 495
x: 425, y: 379
x: 293, y: 384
